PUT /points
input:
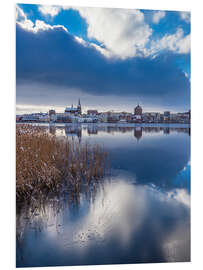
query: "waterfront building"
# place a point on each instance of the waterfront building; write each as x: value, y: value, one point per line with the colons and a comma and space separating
x: 184, y: 117
x: 79, y: 107
x: 52, y: 112
x: 189, y: 114
x: 18, y: 118
x: 44, y: 117
x: 71, y: 110
x: 74, y: 110
x: 92, y: 112
x: 166, y: 116
x: 74, y: 115
x: 52, y: 115
x: 125, y: 117
x: 112, y: 117
x: 30, y: 118
x: 63, y: 118
x: 174, y: 118
x: 151, y: 117
x: 138, y: 110
x: 167, y: 113
x: 137, y: 114
x: 102, y: 117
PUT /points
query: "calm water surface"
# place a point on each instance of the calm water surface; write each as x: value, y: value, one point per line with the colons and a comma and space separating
x: 140, y: 214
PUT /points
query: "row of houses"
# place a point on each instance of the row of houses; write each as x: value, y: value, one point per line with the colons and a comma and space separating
x: 74, y: 115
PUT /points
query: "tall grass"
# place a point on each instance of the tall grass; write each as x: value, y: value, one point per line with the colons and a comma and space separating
x: 44, y: 163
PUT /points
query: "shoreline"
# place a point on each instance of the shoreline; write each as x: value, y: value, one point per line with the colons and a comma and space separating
x: 178, y: 125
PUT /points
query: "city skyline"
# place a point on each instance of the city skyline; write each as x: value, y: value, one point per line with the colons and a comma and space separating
x: 85, y: 109
x: 76, y: 114
x: 63, y: 52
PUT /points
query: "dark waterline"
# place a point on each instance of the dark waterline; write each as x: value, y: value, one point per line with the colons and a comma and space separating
x: 141, y: 214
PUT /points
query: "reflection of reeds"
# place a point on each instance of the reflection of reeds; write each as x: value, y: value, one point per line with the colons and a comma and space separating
x: 44, y: 163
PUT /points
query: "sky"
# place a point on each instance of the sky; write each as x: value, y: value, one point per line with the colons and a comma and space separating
x: 112, y: 59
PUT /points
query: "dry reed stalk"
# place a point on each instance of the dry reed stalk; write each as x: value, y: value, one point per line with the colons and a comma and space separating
x: 44, y: 162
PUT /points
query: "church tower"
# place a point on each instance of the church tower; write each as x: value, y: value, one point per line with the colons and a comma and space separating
x: 79, y: 107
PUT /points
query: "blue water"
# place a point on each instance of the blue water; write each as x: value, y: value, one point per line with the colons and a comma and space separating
x: 141, y: 214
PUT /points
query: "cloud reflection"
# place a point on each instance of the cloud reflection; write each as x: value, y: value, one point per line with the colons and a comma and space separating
x: 123, y: 219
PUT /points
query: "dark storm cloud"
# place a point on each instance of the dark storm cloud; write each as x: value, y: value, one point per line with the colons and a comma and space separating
x: 54, y: 57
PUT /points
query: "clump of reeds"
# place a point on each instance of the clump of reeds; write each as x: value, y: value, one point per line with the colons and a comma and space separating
x: 45, y: 162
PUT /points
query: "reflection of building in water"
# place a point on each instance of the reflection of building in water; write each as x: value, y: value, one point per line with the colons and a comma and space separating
x: 110, y: 129
x: 166, y: 130
x: 152, y: 129
x: 138, y: 133
x: 125, y: 129
x: 92, y: 129
x: 52, y: 129
x: 74, y: 131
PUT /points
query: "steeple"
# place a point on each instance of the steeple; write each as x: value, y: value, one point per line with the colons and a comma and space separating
x: 79, y: 107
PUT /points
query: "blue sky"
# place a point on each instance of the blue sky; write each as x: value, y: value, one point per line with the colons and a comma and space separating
x: 110, y: 58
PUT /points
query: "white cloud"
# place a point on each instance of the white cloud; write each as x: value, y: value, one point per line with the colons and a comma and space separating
x: 81, y: 41
x: 91, y: 44
x: 121, y: 33
x: 184, y: 44
x: 20, y: 15
x: 124, y: 33
x: 49, y: 10
x: 24, y: 22
x: 185, y: 16
x: 157, y: 16
x: 176, y: 42
x: 38, y: 26
x: 103, y: 51
x: 41, y: 25
x: 180, y: 195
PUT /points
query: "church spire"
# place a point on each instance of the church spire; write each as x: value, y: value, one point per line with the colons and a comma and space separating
x: 79, y: 107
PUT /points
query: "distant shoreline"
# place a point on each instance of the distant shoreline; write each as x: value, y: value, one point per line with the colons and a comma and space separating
x: 183, y: 125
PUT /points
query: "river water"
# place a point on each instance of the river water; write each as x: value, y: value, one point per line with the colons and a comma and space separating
x: 141, y: 214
